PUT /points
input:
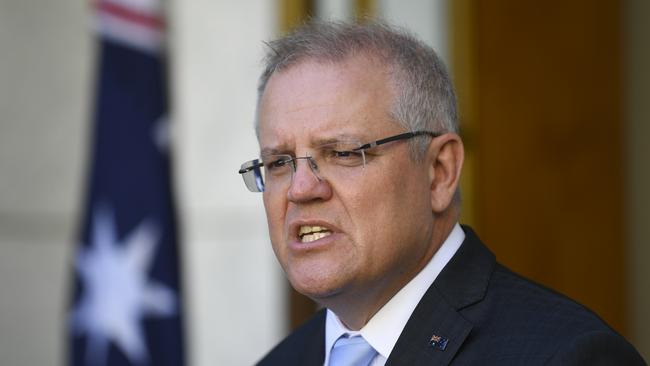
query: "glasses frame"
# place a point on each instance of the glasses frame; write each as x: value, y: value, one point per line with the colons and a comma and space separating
x: 257, y: 163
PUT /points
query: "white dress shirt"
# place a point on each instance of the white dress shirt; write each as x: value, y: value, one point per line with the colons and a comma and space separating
x: 385, y: 327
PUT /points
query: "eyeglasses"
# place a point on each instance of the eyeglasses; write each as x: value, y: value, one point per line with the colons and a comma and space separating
x: 337, y: 160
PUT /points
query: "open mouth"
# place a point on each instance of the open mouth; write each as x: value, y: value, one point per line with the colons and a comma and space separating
x: 308, y: 234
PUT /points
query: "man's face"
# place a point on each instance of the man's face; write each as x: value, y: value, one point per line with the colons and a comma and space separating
x: 378, y: 224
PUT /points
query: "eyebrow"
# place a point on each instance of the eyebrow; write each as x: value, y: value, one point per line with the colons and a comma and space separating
x: 284, y: 149
x: 273, y: 151
x: 337, y: 138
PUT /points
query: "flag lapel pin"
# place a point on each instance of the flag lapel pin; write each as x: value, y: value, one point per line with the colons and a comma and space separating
x: 438, y: 342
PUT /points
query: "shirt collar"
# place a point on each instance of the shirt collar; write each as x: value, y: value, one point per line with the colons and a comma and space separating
x: 385, y: 327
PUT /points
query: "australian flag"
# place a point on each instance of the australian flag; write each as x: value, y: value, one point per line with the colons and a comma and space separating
x: 126, y: 307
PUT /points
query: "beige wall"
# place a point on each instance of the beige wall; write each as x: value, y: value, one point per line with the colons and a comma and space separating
x: 44, y: 78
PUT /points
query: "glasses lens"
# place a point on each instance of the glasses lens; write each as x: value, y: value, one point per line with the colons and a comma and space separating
x: 277, y: 168
x: 254, y: 175
x: 338, y: 160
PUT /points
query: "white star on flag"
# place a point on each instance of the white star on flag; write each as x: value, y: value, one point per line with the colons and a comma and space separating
x: 117, y: 290
x: 161, y: 134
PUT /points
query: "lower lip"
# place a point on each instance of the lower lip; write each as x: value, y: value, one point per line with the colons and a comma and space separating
x: 299, y: 246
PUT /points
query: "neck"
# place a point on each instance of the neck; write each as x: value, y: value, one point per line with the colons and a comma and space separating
x: 356, y: 308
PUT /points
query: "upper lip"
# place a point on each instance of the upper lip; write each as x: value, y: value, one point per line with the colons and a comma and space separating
x: 294, y: 226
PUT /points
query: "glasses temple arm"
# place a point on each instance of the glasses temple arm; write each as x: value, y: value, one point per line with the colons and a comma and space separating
x: 249, y: 168
x: 406, y: 135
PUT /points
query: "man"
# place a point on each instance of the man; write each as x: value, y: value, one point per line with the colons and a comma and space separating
x: 359, y: 169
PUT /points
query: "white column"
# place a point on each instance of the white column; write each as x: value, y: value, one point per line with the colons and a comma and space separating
x: 237, y: 296
x: 334, y: 9
x: 428, y: 19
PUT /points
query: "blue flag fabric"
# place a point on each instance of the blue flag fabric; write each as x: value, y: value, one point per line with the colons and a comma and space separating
x: 126, y: 306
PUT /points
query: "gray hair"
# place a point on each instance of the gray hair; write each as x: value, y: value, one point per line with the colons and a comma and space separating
x: 425, y: 98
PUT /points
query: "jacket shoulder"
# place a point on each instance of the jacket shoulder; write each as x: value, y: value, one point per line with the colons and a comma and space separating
x: 521, y: 320
x: 517, y: 321
x: 537, y: 305
x: 598, y: 348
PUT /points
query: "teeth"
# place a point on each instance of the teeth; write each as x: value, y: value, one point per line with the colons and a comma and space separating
x: 311, y: 233
x: 308, y: 238
x: 310, y: 229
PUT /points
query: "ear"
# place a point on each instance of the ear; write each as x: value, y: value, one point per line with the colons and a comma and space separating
x: 445, y: 160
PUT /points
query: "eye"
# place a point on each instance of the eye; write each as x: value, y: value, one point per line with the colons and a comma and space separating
x: 346, y: 157
x: 276, y: 163
x: 345, y: 154
x: 342, y: 154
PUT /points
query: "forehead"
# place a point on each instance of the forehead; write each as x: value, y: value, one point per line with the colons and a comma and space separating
x: 321, y: 100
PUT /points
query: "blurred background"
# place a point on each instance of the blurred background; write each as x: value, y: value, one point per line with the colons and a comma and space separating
x: 554, y: 113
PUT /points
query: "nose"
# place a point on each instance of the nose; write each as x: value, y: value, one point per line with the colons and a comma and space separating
x: 306, y: 183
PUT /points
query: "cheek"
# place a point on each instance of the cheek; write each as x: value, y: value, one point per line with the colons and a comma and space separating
x: 372, y: 212
x: 391, y: 219
x: 275, y: 214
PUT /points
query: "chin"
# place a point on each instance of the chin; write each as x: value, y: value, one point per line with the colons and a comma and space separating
x: 317, y: 287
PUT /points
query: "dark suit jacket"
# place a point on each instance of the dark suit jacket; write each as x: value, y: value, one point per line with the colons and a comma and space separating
x: 490, y: 316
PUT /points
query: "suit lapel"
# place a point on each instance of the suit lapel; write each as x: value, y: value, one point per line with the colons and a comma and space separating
x: 461, y: 283
x: 313, y: 350
x: 432, y: 317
